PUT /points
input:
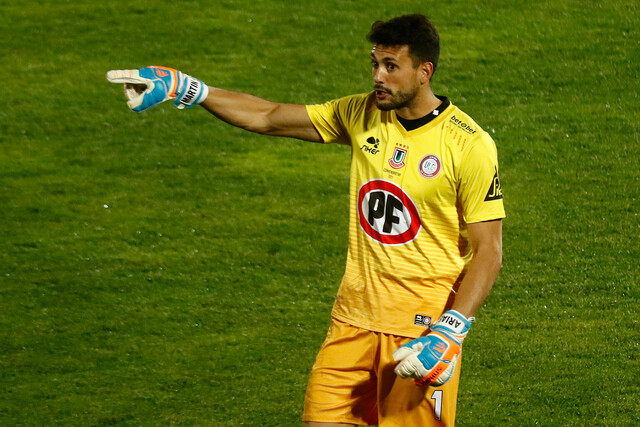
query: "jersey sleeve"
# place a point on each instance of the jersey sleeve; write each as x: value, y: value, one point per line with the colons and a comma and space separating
x: 480, y: 193
x: 327, y: 120
x: 336, y: 120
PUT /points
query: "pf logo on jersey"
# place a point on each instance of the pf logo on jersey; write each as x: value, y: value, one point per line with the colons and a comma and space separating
x: 387, y: 214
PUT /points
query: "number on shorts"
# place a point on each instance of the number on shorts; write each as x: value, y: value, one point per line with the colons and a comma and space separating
x: 437, y: 407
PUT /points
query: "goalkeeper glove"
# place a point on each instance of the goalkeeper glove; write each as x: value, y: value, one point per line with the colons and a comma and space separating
x: 431, y: 359
x: 149, y: 86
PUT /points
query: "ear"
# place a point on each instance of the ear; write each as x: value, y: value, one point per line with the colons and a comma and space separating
x: 426, y: 71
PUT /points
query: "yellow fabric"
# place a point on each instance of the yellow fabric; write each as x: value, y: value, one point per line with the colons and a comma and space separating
x: 352, y: 381
x: 411, y: 196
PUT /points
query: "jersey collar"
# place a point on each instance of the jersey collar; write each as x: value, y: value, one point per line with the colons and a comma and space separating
x: 410, y: 125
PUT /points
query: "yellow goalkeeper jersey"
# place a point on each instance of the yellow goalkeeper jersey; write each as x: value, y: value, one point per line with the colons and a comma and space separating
x: 411, y: 195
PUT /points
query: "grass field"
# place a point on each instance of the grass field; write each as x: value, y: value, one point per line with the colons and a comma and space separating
x: 167, y: 269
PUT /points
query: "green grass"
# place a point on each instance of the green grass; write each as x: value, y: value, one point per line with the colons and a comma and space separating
x: 164, y: 268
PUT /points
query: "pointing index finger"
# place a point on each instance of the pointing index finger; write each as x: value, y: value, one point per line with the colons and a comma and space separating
x: 126, y: 76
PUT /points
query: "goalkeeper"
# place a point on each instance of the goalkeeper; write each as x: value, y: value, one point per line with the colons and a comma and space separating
x: 425, y: 232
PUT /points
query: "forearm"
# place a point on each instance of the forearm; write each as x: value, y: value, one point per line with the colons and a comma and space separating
x: 477, y: 283
x: 239, y: 109
x: 259, y: 115
x: 482, y: 272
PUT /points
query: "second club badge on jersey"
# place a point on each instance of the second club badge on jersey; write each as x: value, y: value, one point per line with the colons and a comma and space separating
x: 430, y: 166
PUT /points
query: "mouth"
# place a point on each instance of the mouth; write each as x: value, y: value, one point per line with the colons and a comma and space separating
x: 381, y: 93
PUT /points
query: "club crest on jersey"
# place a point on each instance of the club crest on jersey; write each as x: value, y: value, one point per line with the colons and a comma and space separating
x: 397, y: 160
x: 387, y: 214
x: 430, y: 166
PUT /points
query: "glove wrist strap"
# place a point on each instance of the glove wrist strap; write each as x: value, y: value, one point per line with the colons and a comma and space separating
x: 194, y: 92
x: 454, y: 322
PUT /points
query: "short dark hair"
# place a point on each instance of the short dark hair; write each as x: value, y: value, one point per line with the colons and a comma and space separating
x: 416, y: 31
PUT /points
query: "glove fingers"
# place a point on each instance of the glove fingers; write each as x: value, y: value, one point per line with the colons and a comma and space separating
x: 132, y: 90
x: 410, y: 368
x: 402, y: 352
x: 135, y: 102
x: 402, y: 370
x: 126, y: 76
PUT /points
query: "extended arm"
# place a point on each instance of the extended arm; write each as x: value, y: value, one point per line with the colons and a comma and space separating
x: 150, y: 86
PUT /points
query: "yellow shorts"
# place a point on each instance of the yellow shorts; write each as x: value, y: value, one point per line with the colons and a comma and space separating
x: 352, y: 381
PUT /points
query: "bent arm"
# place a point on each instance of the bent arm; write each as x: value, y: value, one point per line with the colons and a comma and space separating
x: 261, y: 116
x: 486, y: 241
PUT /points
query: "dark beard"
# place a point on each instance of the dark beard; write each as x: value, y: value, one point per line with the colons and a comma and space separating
x: 398, y: 100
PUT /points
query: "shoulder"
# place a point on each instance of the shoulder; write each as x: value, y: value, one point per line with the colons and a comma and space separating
x: 463, y: 132
x: 346, y: 105
x: 335, y: 120
x: 462, y: 121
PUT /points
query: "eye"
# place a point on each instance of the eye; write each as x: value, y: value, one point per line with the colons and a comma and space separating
x: 392, y: 66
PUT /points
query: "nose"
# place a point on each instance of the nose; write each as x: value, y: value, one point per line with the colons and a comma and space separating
x: 378, y: 75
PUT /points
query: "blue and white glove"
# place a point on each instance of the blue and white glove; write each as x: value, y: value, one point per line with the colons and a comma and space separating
x: 430, y: 360
x: 149, y: 86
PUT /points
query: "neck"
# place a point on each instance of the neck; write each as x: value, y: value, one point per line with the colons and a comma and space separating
x: 422, y: 105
